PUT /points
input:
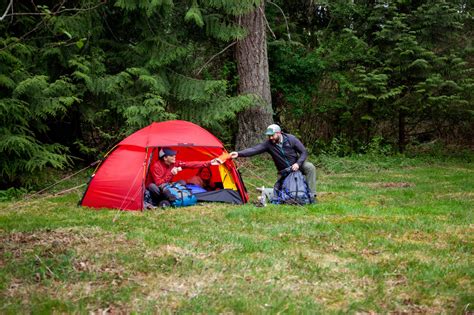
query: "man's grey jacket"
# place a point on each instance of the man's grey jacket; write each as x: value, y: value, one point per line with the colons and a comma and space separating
x: 291, y: 152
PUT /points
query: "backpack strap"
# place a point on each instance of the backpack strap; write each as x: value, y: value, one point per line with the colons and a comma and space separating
x: 280, y: 148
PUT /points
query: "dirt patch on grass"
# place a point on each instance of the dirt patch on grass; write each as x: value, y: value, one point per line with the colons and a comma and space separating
x: 62, y: 256
x: 105, y: 264
x: 408, y: 303
x: 464, y: 195
x: 156, y: 286
x: 423, y: 238
x: 65, y: 237
x: 391, y: 185
x: 92, y: 240
x: 335, y: 292
x: 178, y: 253
x: 326, y: 277
x: 326, y: 260
x: 328, y: 196
x: 466, y: 232
x: 19, y: 244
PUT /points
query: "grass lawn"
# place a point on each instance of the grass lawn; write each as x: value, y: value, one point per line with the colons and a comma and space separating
x: 395, y: 235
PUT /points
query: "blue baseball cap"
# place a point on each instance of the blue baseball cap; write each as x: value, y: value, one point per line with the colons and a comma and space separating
x: 166, y: 152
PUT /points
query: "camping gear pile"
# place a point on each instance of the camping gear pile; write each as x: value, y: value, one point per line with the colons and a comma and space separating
x: 178, y: 195
x: 291, y: 189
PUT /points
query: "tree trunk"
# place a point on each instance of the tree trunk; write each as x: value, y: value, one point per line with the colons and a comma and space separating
x: 252, y: 66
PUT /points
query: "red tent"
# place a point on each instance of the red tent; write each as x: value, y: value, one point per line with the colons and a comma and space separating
x: 120, y: 180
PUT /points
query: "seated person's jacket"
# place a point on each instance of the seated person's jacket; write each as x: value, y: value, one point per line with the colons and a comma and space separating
x: 161, y: 173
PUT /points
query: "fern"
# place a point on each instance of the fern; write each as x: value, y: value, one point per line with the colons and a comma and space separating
x: 150, y: 7
x: 157, y: 53
x: 151, y: 109
x: 217, y: 111
x: 6, y: 82
x: 234, y: 8
x: 223, y: 30
x: 194, y: 15
x: 189, y: 89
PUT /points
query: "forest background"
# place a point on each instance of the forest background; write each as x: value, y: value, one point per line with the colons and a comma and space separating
x: 346, y: 77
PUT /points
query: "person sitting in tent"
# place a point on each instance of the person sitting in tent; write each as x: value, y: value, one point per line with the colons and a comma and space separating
x: 287, y: 152
x: 203, y: 179
x: 163, y: 170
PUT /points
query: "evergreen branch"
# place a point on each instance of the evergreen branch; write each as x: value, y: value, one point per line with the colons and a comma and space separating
x: 10, y: 5
x: 57, y: 12
x: 85, y: 9
x: 24, y: 35
x: 35, y: 28
x: 109, y: 28
x: 266, y: 22
x: 210, y: 59
x: 149, y: 26
x: 182, y: 75
x: 284, y: 16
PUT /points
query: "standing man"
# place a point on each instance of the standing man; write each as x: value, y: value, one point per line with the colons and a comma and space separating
x: 286, y: 151
x: 163, y: 170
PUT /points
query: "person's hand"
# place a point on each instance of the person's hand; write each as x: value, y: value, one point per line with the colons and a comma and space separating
x: 175, y: 170
x: 216, y: 162
x: 295, y: 167
x: 234, y: 155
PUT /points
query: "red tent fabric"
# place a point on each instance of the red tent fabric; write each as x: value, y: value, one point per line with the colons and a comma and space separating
x: 120, y: 180
x: 172, y: 133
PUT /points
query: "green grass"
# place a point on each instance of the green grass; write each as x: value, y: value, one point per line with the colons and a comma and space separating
x: 388, y: 235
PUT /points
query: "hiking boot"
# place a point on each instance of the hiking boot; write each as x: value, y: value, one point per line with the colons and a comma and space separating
x: 257, y: 204
x: 149, y: 206
x: 164, y: 204
x: 262, y: 199
x: 260, y: 189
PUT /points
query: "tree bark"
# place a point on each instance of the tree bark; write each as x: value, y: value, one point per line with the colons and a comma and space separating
x: 252, y: 66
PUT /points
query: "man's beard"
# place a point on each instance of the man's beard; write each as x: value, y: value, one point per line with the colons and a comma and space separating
x: 275, y: 141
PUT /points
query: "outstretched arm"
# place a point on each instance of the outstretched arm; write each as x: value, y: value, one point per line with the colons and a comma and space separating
x: 258, y: 149
x: 193, y: 164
